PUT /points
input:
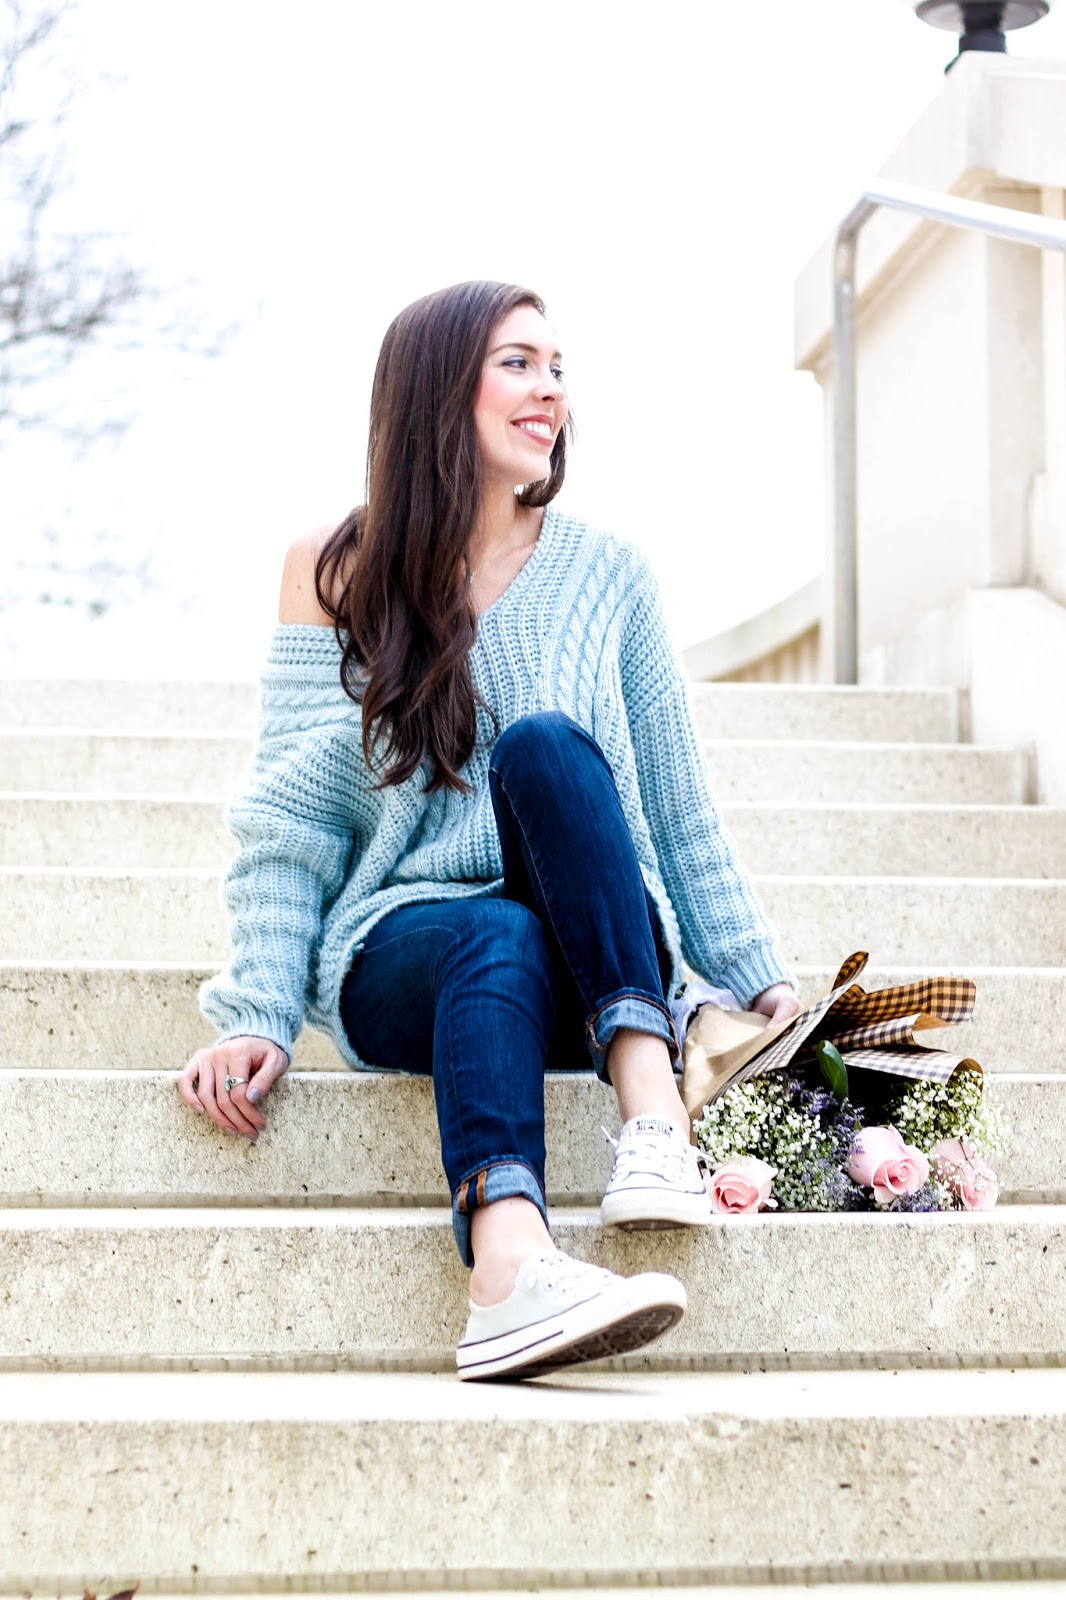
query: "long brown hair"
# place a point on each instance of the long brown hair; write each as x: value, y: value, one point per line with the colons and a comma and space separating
x: 394, y: 576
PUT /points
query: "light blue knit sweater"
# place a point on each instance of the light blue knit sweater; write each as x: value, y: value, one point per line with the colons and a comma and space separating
x: 323, y: 855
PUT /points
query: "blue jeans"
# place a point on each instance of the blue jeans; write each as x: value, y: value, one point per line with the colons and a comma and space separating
x: 487, y: 993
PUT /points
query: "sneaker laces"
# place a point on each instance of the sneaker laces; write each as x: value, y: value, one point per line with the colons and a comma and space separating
x: 644, y: 1152
x: 562, y: 1274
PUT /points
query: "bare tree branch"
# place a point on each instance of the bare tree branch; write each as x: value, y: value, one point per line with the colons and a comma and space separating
x: 61, y: 293
x: 68, y: 297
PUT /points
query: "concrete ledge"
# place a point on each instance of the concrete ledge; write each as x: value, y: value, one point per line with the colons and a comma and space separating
x: 118, y: 831
x: 990, y: 921
x: 869, y: 1588
x: 134, y: 1015
x: 1018, y: 656
x: 806, y: 772
x: 839, y: 1477
x: 824, y: 711
x: 760, y: 711
x: 351, y: 1139
x: 901, y: 841
x: 95, y: 762
x: 145, y: 1015
x: 385, y: 1288
x: 170, y: 915
x: 758, y: 637
x: 134, y: 705
x: 114, y: 830
x: 989, y: 126
x: 753, y: 769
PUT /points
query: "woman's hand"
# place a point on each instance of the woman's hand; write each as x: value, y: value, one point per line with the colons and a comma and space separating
x: 257, y: 1063
x: 779, y: 1002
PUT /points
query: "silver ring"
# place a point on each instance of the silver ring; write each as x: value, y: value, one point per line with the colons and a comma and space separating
x: 231, y: 1083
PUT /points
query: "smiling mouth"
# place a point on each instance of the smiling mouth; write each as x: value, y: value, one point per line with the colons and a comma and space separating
x: 539, y: 430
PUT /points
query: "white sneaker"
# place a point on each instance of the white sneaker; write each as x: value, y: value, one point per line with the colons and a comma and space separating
x: 657, y: 1181
x: 563, y: 1311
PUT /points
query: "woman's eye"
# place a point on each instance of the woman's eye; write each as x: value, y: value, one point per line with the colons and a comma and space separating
x: 522, y: 362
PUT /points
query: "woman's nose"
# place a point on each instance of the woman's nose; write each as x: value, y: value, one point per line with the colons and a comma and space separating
x: 552, y: 387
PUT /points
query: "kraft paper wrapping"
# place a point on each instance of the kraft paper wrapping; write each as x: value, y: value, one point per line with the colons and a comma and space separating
x: 874, y: 1029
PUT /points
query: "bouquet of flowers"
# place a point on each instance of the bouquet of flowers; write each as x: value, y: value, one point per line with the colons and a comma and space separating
x: 781, y: 1141
x: 804, y: 1122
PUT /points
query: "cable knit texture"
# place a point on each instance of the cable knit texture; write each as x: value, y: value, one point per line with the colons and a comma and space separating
x: 323, y: 855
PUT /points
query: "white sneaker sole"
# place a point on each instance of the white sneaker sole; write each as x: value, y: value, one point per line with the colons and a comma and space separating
x: 655, y: 1208
x: 613, y: 1323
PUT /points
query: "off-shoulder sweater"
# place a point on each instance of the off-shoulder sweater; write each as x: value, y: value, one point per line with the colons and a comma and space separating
x: 323, y: 855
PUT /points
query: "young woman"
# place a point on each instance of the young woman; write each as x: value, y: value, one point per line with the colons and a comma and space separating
x: 477, y: 838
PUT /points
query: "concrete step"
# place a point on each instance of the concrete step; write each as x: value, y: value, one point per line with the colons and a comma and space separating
x: 347, y: 1480
x: 145, y: 1015
x: 66, y: 762
x: 870, y: 1589
x: 46, y: 830
x: 378, y: 1288
x: 340, y: 1138
x: 885, y: 774
x: 169, y: 915
x: 820, y: 711
x: 901, y: 841
x: 723, y: 710
x: 133, y: 706
x: 990, y: 921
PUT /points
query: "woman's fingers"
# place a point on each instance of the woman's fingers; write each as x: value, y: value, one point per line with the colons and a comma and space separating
x: 231, y: 1118
x: 187, y: 1081
x: 239, y: 1100
x: 217, y: 1082
x: 779, y: 1003
x: 267, y: 1073
x: 206, y: 1090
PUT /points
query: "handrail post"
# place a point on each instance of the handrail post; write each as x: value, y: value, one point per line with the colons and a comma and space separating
x: 1022, y: 227
x: 845, y: 622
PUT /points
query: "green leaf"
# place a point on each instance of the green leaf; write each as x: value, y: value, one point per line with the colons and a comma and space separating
x: 833, y: 1069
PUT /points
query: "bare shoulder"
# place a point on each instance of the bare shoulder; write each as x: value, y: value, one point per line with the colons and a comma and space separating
x: 299, y: 597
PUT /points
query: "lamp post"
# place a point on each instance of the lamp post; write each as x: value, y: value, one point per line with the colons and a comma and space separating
x: 981, y: 24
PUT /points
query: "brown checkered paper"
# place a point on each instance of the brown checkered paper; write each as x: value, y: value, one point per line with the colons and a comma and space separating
x: 871, y: 1028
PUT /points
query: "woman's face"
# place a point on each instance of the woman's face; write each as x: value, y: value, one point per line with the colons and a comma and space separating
x: 521, y: 403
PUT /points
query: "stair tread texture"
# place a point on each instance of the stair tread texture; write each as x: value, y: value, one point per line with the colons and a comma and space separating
x: 342, y: 1138
x: 316, y: 1478
x: 760, y: 709
x: 865, y: 838
x: 373, y: 1288
x: 144, y: 1014
x: 740, y: 769
x: 175, y: 914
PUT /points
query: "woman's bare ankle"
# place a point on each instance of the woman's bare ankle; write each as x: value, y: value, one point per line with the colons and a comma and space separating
x: 502, y: 1236
x: 638, y: 1065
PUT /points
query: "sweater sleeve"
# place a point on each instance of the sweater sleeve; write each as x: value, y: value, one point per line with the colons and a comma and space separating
x: 725, y: 935
x: 295, y: 824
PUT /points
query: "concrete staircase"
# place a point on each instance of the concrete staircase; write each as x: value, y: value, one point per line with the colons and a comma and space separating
x: 227, y: 1368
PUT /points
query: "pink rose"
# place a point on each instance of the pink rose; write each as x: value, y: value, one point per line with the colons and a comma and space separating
x: 880, y: 1160
x: 968, y: 1175
x: 741, y: 1186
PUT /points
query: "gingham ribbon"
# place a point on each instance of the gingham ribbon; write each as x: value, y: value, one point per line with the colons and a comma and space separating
x: 936, y: 1066
x: 865, y: 1026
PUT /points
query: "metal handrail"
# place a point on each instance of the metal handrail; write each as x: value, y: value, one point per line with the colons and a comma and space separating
x: 1021, y: 226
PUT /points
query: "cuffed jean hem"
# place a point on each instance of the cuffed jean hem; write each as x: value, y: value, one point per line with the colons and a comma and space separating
x: 630, y: 1009
x: 500, y: 1180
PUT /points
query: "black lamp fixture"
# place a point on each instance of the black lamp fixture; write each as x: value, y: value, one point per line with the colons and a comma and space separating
x: 981, y: 24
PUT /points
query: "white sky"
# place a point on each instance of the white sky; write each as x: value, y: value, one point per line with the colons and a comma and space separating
x: 660, y: 173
